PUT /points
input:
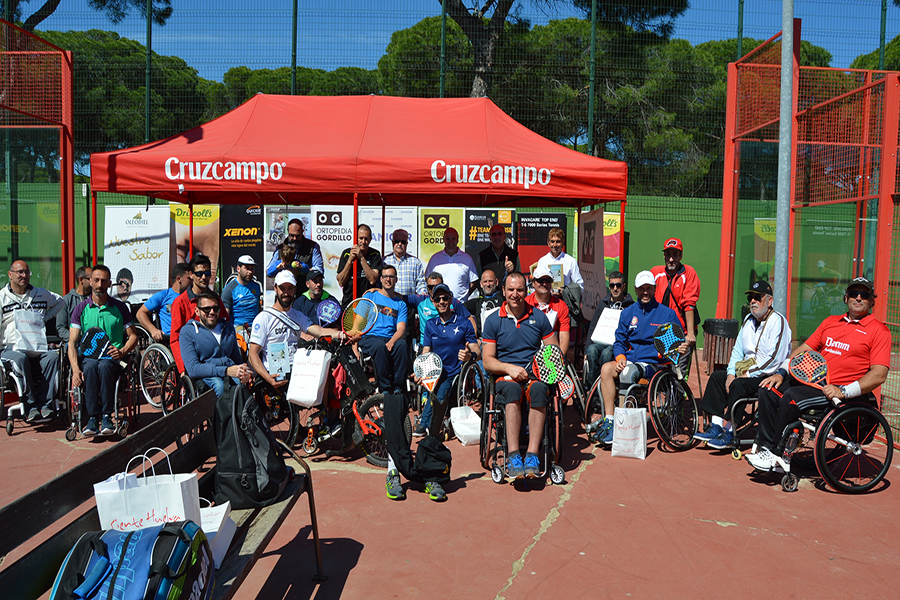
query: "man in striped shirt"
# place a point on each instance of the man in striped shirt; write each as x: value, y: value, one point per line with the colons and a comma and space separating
x: 410, y: 272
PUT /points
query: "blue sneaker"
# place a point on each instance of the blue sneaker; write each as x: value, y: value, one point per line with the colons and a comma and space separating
x: 712, y: 432
x: 722, y: 442
x: 605, y: 433
x: 515, y: 468
x: 532, y: 466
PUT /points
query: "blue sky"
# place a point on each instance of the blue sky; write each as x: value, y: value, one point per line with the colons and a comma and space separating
x: 335, y: 33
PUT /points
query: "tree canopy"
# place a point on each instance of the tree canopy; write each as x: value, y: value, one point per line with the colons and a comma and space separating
x: 115, y: 10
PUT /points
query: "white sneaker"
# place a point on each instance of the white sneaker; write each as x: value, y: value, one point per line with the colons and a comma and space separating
x: 763, y: 460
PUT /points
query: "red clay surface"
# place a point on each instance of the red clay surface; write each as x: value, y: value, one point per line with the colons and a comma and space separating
x: 681, y: 525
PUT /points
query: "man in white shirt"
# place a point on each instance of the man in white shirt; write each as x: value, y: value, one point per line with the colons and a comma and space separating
x: 556, y: 241
x: 456, y: 267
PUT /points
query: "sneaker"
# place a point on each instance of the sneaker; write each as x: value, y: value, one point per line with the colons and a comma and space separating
x: 604, y: 435
x: 762, y: 460
x: 106, y: 426
x: 722, y: 442
x: 712, y: 432
x: 33, y: 415
x: 515, y: 468
x: 91, y: 428
x: 532, y: 466
x: 435, y: 491
x: 393, y: 487
x: 48, y: 414
x: 420, y: 431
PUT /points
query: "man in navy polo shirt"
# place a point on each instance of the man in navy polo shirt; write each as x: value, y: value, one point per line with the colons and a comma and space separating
x: 384, y: 342
x: 511, y: 337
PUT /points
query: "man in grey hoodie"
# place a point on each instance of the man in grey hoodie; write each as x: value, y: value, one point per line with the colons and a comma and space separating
x: 598, y: 354
x: 80, y: 292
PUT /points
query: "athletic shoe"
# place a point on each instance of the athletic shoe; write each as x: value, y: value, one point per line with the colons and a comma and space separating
x: 420, y: 431
x: 48, y: 414
x: 762, y: 460
x: 712, y: 432
x: 532, y: 466
x: 722, y: 442
x: 515, y: 468
x: 604, y: 435
x: 435, y: 491
x: 106, y: 425
x: 393, y: 487
x: 91, y: 428
x: 33, y: 415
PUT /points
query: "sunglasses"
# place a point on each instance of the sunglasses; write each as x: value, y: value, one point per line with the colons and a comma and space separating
x: 208, y: 309
x: 442, y: 299
x: 864, y: 294
x: 545, y: 281
x: 404, y: 242
x: 616, y: 285
x: 754, y: 297
x: 430, y: 287
x: 202, y: 273
x: 124, y: 283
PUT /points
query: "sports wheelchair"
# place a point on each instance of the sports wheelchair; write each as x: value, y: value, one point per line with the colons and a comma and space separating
x: 469, y: 388
x: 851, y: 444
x: 667, y: 397
x: 492, y: 444
x: 125, y: 410
x: 12, y: 385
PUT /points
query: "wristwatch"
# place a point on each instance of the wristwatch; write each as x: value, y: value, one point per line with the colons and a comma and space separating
x: 843, y: 389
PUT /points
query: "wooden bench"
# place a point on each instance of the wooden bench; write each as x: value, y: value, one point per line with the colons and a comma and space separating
x: 59, y: 503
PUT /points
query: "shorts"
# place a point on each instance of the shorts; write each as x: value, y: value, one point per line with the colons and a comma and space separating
x: 537, y: 394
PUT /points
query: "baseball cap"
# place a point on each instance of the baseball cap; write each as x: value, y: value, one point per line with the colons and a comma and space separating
x: 246, y: 259
x: 313, y: 274
x: 285, y: 276
x: 644, y: 278
x: 760, y: 287
x: 673, y: 243
x: 441, y: 287
x: 541, y: 271
x: 863, y: 282
x: 400, y: 234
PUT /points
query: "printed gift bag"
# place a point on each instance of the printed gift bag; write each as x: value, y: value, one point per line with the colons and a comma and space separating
x: 630, y: 433
x: 309, y: 374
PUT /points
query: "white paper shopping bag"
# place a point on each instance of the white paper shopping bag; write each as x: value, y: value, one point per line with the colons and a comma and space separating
x: 31, y: 330
x: 605, y: 331
x: 466, y: 425
x: 219, y: 528
x: 630, y: 433
x: 309, y: 374
x: 147, y: 501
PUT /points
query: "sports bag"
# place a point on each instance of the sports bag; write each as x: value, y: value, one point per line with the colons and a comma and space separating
x: 250, y: 470
x: 165, y: 562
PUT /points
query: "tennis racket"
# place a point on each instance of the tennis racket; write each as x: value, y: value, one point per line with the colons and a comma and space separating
x: 549, y: 365
x: 328, y: 311
x: 94, y: 344
x: 667, y: 338
x: 359, y: 317
x: 428, y: 367
x: 809, y: 368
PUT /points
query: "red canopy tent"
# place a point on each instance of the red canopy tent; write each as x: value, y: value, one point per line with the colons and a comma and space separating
x: 379, y: 150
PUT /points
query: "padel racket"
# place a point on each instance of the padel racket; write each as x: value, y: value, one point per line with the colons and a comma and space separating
x: 549, y: 365
x: 566, y: 388
x: 809, y: 368
x: 359, y: 317
x: 328, y: 311
x: 667, y: 338
x: 94, y: 344
x: 428, y: 367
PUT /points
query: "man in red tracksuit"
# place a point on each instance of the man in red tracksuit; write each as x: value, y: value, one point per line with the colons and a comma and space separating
x: 678, y: 287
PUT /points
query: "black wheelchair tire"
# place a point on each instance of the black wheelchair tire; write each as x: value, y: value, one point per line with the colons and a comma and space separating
x: 673, y: 411
x: 858, y: 423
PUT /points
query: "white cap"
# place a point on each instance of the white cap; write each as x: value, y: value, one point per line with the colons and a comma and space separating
x: 246, y: 259
x: 285, y: 276
x: 644, y: 278
x: 541, y: 271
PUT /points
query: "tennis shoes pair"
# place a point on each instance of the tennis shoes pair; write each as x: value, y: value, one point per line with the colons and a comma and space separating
x: 395, y: 490
x: 764, y: 460
x: 716, y: 437
x: 529, y: 467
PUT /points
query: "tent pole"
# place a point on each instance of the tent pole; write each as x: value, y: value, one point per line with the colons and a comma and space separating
x: 383, y: 227
x: 353, y: 241
x: 622, y: 235
x: 93, y: 225
x: 190, y: 252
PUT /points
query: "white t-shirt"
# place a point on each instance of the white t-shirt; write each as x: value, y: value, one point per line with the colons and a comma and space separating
x: 217, y: 332
x: 570, y: 269
x: 458, y: 272
x: 269, y: 329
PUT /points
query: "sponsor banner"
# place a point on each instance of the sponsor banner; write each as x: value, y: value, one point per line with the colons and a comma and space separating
x: 223, y: 171
x: 397, y: 218
x: 276, y: 226
x: 591, y: 258
x: 612, y: 240
x: 332, y: 228
x: 242, y: 233
x: 531, y: 231
x: 206, y: 234
x: 763, y: 248
x: 433, y: 222
x: 519, y: 175
x: 477, y: 237
x: 136, y: 250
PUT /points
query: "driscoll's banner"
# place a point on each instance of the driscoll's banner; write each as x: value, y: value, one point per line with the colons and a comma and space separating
x: 206, y: 233
x: 136, y: 250
x: 242, y: 233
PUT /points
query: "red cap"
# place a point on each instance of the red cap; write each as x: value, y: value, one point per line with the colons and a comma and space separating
x: 673, y: 243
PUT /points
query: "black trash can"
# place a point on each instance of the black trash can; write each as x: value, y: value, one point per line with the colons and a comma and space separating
x: 719, y: 336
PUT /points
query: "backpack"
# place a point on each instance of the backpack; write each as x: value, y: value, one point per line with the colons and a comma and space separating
x: 165, y: 562
x: 250, y: 470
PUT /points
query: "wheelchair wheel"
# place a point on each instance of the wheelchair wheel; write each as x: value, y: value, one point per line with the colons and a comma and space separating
x: 154, y: 362
x: 673, y: 411
x: 579, y: 398
x: 472, y: 387
x: 492, y: 444
x: 282, y: 417
x: 593, y: 403
x: 555, y: 431
x: 848, y: 456
x: 173, y: 394
x: 373, y: 446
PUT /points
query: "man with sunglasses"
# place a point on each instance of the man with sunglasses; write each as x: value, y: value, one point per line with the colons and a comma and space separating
x: 384, y: 342
x: 307, y: 253
x: 552, y: 306
x: 499, y: 257
x: 410, y: 272
x: 75, y: 296
x: 596, y: 354
x: 857, y: 348
x: 184, y: 306
x: 124, y: 283
x: 425, y: 308
x: 761, y: 346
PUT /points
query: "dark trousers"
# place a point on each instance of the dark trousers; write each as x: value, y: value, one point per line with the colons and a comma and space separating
x: 39, y: 374
x: 391, y: 367
x: 432, y: 460
x: 777, y: 413
x: 717, y: 403
x: 100, y: 385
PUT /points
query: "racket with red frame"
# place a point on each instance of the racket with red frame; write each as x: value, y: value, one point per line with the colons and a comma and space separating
x: 566, y: 388
x: 428, y: 367
x: 359, y: 317
x: 809, y: 368
x: 549, y: 365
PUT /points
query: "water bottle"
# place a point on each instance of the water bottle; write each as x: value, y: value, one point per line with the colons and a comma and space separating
x: 791, y: 445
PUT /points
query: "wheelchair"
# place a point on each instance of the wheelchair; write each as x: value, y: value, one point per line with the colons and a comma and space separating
x: 12, y: 384
x: 492, y: 444
x: 155, y: 358
x: 469, y: 388
x: 669, y: 401
x: 852, y: 444
x: 125, y: 410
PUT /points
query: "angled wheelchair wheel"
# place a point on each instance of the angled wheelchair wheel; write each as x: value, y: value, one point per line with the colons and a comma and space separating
x: 374, y: 446
x: 579, y: 398
x: 282, y: 417
x: 555, y: 430
x: 154, y: 362
x: 673, y: 411
x: 472, y: 387
x: 854, y: 448
x: 491, y: 443
x: 593, y: 403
